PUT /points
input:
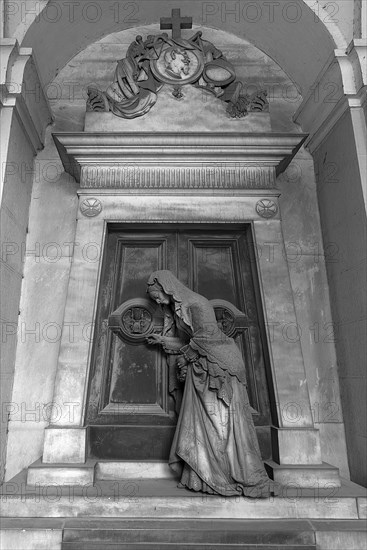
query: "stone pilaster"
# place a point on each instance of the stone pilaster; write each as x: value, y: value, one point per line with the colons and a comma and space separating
x: 24, y: 115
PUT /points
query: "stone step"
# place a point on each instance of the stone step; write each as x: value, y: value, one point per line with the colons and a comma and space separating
x: 54, y: 504
x: 102, y: 533
x: 93, y: 471
x: 158, y: 499
x: 218, y: 533
x: 304, y: 475
x: 179, y: 546
x: 128, y: 469
x: 39, y: 473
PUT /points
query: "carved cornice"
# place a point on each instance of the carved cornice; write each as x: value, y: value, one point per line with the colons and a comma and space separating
x: 168, y: 160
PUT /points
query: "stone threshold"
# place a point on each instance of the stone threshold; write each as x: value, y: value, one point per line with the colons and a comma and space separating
x: 158, y: 499
x: 167, y: 485
x: 93, y: 471
x: 161, y: 497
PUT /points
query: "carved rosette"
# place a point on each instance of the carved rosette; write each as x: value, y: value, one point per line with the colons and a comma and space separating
x: 230, y: 319
x: 225, y: 320
x: 266, y: 208
x: 91, y: 207
x: 135, y: 319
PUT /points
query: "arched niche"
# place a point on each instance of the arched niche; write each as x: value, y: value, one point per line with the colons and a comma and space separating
x: 295, y: 34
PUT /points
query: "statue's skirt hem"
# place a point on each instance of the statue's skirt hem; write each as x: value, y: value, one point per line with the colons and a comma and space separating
x: 215, y: 448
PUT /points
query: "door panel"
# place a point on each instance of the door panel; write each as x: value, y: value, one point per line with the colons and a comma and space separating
x: 219, y: 266
x: 212, y: 271
x: 130, y: 412
x: 128, y: 404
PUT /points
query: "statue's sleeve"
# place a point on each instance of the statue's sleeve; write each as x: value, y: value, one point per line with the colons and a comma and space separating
x: 204, y: 328
x: 212, y: 351
x: 173, y: 345
x: 189, y: 353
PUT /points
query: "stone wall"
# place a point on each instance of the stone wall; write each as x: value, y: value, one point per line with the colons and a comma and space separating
x: 24, y: 115
x: 343, y: 219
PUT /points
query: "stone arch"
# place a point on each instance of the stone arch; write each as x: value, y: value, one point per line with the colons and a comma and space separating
x: 327, y: 19
x: 291, y: 34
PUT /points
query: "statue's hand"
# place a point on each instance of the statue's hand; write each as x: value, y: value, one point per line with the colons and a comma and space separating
x: 181, y: 361
x: 182, y: 364
x: 182, y: 372
x: 154, y: 339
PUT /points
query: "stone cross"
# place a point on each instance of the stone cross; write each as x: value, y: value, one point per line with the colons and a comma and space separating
x: 176, y: 23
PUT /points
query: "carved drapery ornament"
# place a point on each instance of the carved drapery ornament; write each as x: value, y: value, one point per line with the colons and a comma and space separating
x: 159, y: 60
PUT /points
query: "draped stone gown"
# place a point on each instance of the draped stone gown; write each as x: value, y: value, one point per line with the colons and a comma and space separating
x: 215, y: 447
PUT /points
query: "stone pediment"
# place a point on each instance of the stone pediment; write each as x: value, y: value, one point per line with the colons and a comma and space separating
x: 171, y: 160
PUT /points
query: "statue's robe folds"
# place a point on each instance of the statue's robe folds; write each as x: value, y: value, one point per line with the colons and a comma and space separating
x: 215, y: 447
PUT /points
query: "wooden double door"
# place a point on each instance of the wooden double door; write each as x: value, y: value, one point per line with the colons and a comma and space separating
x: 130, y: 412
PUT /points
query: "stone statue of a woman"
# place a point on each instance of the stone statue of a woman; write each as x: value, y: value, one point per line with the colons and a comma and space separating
x: 215, y: 448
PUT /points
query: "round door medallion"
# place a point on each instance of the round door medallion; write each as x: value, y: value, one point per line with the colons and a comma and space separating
x: 91, y: 207
x: 266, y: 208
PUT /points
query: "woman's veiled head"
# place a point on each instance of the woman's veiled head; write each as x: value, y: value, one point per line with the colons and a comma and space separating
x: 164, y: 280
x: 157, y: 294
x: 178, y: 294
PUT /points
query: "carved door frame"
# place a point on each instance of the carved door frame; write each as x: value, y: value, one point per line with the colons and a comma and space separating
x: 66, y: 439
x: 173, y: 182
x: 124, y: 368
